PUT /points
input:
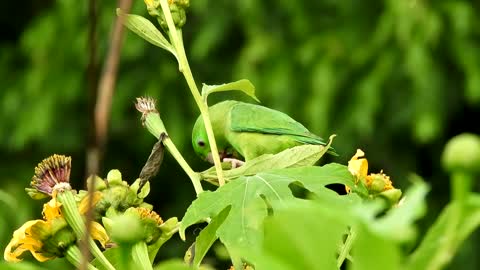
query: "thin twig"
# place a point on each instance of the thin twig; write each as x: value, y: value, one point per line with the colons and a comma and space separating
x: 103, y: 105
x: 92, y: 81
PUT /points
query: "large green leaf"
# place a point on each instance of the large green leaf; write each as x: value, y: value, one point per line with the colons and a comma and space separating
x: 249, y: 196
x: 208, y: 236
x: 302, y: 235
x: 299, y: 156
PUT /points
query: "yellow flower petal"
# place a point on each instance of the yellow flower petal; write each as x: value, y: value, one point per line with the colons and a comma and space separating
x: 40, y: 257
x: 23, y: 241
x: 358, y: 165
x: 51, y: 210
x: 83, y: 207
x: 99, y: 233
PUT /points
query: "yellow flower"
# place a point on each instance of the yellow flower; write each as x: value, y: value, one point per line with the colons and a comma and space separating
x: 32, y: 235
x: 358, y: 167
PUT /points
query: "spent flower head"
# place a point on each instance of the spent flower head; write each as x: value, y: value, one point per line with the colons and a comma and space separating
x: 145, y: 105
x: 51, y: 174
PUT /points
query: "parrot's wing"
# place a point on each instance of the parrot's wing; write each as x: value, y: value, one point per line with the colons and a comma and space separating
x: 246, y: 117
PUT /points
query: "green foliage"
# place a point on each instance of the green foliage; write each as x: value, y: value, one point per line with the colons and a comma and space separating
x: 443, y: 240
x: 299, y: 156
x: 388, y: 74
x: 242, y: 85
x: 251, y: 197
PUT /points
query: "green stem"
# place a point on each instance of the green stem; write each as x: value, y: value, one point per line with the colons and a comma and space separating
x: 346, y: 248
x: 154, y: 124
x: 460, y: 186
x: 176, y: 36
x: 74, y: 255
x: 74, y: 219
x: 140, y: 256
x: 124, y: 257
x: 461, y: 183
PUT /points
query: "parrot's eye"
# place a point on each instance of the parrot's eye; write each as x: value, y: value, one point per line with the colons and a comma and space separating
x: 201, y: 143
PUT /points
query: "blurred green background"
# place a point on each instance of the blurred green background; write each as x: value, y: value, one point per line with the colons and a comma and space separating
x: 394, y: 78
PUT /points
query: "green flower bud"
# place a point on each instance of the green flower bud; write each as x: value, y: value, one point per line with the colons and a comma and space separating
x: 99, y: 183
x: 392, y: 195
x: 118, y: 196
x: 377, y: 183
x: 462, y: 153
x: 114, y: 177
x: 150, y: 221
x: 179, y: 16
x: 126, y: 229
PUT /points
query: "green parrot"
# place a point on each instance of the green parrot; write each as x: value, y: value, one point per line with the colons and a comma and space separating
x: 248, y: 130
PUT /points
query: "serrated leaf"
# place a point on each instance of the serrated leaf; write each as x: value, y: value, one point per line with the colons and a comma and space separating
x: 208, y: 236
x: 379, y: 239
x: 246, y: 195
x: 242, y: 85
x: 299, y: 156
x: 146, y: 30
x: 302, y: 235
x: 400, y: 219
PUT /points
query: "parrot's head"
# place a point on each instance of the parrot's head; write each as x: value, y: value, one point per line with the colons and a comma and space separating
x: 200, y: 140
x: 202, y: 146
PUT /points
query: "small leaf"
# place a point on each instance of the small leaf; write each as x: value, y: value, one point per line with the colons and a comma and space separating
x: 146, y: 30
x: 247, y: 195
x: 208, y: 236
x: 242, y: 85
x: 298, y: 156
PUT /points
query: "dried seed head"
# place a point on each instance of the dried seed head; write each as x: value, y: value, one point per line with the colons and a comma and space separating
x: 145, y: 105
x: 52, y: 171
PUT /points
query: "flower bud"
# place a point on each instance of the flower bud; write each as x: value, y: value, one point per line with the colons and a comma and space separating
x: 392, y: 195
x: 150, y: 222
x: 462, y: 153
x: 379, y: 182
x: 179, y: 16
x: 126, y: 229
x: 118, y: 196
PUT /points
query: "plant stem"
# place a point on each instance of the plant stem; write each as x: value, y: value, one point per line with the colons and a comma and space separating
x: 140, y: 256
x: 155, y: 125
x: 74, y: 219
x: 346, y: 248
x: 176, y: 36
x: 176, y: 154
x: 460, y: 186
x: 74, y: 256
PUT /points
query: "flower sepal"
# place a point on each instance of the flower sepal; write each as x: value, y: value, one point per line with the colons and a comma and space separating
x: 392, y: 195
x: 35, y: 194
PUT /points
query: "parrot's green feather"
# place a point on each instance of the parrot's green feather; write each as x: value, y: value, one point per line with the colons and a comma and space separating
x: 250, y: 130
x: 246, y: 117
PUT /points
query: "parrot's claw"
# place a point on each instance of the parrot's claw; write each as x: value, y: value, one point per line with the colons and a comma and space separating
x: 235, y: 162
